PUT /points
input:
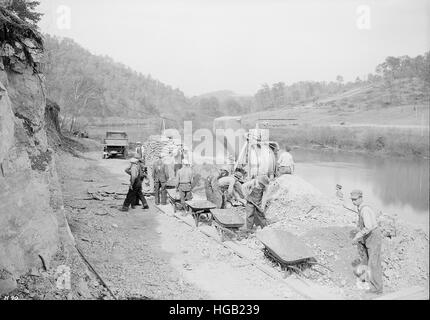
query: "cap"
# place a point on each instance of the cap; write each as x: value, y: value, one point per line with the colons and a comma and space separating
x: 138, y: 142
x: 355, y: 194
x: 264, y: 180
x: 134, y: 160
x: 338, y: 186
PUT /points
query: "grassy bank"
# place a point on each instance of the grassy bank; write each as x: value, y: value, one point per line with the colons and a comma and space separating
x: 389, y: 141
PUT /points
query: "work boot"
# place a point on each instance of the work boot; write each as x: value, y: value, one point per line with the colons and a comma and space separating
x: 124, y: 209
x: 145, y: 207
x: 133, y: 207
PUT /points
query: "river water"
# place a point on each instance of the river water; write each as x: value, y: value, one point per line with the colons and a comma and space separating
x: 392, y: 185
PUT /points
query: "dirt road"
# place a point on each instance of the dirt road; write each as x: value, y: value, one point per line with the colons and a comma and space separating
x: 146, y: 253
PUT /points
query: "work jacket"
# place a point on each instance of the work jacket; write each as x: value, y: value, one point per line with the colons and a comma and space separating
x: 160, y: 173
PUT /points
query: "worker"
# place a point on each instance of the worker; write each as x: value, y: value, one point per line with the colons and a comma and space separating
x: 255, y: 207
x: 143, y: 175
x: 212, y: 190
x: 285, y: 163
x: 339, y: 193
x: 138, y: 184
x: 160, y: 175
x: 178, y: 155
x: 184, y: 180
x: 140, y: 151
x: 231, y: 188
x: 133, y: 171
x: 368, y: 240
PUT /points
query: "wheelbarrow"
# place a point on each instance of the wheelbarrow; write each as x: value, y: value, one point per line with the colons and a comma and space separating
x: 174, y: 199
x: 227, y: 223
x: 200, y: 210
x: 287, y: 251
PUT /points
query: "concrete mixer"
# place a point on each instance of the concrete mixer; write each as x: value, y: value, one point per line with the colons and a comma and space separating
x: 258, y: 155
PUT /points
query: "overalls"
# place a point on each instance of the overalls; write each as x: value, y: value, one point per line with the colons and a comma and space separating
x: 369, y: 249
x: 253, y: 215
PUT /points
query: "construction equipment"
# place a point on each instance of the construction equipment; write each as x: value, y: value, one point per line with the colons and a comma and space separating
x: 200, y: 210
x: 227, y: 223
x: 258, y: 155
x: 115, y: 143
x: 288, y: 251
x: 174, y: 199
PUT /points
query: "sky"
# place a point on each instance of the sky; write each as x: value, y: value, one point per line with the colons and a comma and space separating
x: 201, y: 46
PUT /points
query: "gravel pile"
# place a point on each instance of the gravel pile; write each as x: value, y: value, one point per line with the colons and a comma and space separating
x: 325, y: 225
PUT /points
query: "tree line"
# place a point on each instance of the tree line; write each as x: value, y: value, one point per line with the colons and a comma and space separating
x: 280, y: 95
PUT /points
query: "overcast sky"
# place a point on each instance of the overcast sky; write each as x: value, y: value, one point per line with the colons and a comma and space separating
x: 200, y: 46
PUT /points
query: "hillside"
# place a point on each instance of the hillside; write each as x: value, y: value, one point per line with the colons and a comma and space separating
x: 90, y: 86
x: 368, y: 104
x: 369, y: 118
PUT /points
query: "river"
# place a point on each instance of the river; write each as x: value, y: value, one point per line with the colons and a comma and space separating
x: 395, y: 186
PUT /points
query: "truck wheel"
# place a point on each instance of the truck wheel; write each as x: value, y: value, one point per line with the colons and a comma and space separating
x: 104, y: 156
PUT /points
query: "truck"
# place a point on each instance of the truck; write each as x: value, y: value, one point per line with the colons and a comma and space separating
x: 115, y: 144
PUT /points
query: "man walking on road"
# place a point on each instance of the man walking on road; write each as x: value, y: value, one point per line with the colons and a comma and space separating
x: 184, y: 180
x: 285, y: 164
x: 160, y: 175
x: 133, y: 171
x: 368, y: 240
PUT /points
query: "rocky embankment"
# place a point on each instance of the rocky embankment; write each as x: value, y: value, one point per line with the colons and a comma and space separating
x: 32, y: 222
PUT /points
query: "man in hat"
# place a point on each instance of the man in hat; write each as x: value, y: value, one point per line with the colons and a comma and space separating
x: 160, y: 175
x: 339, y: 193
x: 368, y: 240
x: 184, y: 180
x: 140, y: 150
x: 285, y: 163
x: 133, y: 171
x: 212, y: 188
x: 255, y: 190
x: 231, y: 188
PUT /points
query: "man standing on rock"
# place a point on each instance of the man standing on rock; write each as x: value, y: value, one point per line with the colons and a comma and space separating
x: 368, y: 240
x: 184, y: 180
x: 160, y: 175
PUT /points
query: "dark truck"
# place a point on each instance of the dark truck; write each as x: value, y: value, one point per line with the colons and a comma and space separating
x: 115, y: 144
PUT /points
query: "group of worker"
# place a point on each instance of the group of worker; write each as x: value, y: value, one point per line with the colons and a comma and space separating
x: 226, y: 190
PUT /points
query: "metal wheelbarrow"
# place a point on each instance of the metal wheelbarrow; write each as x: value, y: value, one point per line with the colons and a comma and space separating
x: 287, y: 251
x: 227, y: 223
x: 174, y: 199
x: 200, y: 210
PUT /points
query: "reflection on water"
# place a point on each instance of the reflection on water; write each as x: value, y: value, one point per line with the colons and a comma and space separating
x: 395, y: 186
